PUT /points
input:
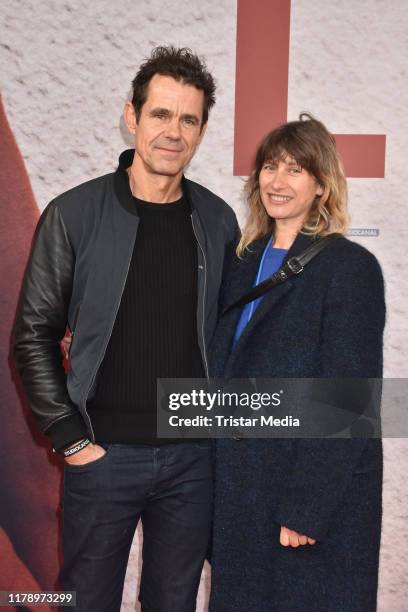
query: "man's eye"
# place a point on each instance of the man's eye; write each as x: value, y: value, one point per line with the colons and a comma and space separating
x: 269, y: 167
x: 189, y: 122
x: 295, y: 170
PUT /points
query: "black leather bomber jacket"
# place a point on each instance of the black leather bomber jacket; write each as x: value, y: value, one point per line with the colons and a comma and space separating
x: 76, y: 275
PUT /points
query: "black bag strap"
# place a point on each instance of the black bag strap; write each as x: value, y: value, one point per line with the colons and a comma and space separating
x: 293, y: 267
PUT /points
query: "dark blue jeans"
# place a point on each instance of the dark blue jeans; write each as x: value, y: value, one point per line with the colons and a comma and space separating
x: 170, y: 489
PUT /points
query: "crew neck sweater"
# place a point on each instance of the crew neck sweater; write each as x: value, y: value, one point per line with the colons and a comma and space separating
x: 155, y: 331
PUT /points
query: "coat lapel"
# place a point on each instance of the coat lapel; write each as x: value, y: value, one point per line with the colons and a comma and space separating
x: 238, y: 280
x: 270, y: 299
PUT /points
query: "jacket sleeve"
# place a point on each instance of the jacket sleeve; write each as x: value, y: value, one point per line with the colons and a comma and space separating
x: 352, y: 331
x: 40, y: 325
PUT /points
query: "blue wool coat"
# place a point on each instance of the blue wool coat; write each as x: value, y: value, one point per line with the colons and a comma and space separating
x: 326, y: 322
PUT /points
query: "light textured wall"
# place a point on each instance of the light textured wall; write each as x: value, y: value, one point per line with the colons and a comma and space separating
x: 67, y: 68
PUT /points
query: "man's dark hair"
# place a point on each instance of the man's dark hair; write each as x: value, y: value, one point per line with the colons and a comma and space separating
x: 180, y: 64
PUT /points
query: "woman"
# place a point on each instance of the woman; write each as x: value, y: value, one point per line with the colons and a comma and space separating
x: 297, y: 522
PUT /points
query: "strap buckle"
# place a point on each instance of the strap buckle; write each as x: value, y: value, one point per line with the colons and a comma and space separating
x: 294, y: 265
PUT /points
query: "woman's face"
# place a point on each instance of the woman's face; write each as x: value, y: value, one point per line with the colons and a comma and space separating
x: 287, y: 191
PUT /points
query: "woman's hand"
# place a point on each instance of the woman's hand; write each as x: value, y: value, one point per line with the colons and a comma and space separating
x: 65, y: 344
x: 288, y: 537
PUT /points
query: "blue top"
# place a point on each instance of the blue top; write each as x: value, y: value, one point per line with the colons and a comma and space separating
x: 271, y: 261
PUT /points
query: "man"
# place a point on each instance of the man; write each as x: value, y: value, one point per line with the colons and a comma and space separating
x: 132, y: 263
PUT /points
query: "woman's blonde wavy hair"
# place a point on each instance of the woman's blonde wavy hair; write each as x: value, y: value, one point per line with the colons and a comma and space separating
x: 314, y: 149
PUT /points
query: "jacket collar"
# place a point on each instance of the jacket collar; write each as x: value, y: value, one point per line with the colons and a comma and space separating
x: 248, y: 269
x: 302, y: 241
x: 249, y: 262
x: 122, y: 187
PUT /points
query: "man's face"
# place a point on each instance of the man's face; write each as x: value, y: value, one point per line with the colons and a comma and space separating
x: 169, y: 129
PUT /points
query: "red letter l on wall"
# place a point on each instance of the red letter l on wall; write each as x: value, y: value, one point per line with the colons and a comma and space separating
x: 261, y: 90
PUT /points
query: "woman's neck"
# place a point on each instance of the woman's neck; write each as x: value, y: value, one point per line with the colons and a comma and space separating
x: 284, y: 236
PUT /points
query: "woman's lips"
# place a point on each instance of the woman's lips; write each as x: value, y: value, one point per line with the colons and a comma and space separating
x: 279, y: 199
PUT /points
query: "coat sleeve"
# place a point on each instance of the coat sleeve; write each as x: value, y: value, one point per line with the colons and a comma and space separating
x: 40, y: 325
x: 352, y: 331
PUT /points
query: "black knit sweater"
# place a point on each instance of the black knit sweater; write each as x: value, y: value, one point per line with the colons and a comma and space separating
x: 155, y: 332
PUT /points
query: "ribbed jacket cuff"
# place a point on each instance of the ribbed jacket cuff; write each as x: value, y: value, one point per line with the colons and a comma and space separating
x: 66, y: 431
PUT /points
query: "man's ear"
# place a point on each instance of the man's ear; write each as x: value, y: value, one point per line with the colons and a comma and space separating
x: 129, y: 116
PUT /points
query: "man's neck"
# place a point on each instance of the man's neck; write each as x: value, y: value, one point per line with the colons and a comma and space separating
x: 154, y: 187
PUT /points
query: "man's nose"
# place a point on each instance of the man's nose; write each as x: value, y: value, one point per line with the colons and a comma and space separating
x: 173, y: 129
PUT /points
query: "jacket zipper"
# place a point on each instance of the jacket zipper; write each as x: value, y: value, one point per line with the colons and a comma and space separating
x: 85, y: 396
x: 204, y: 293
